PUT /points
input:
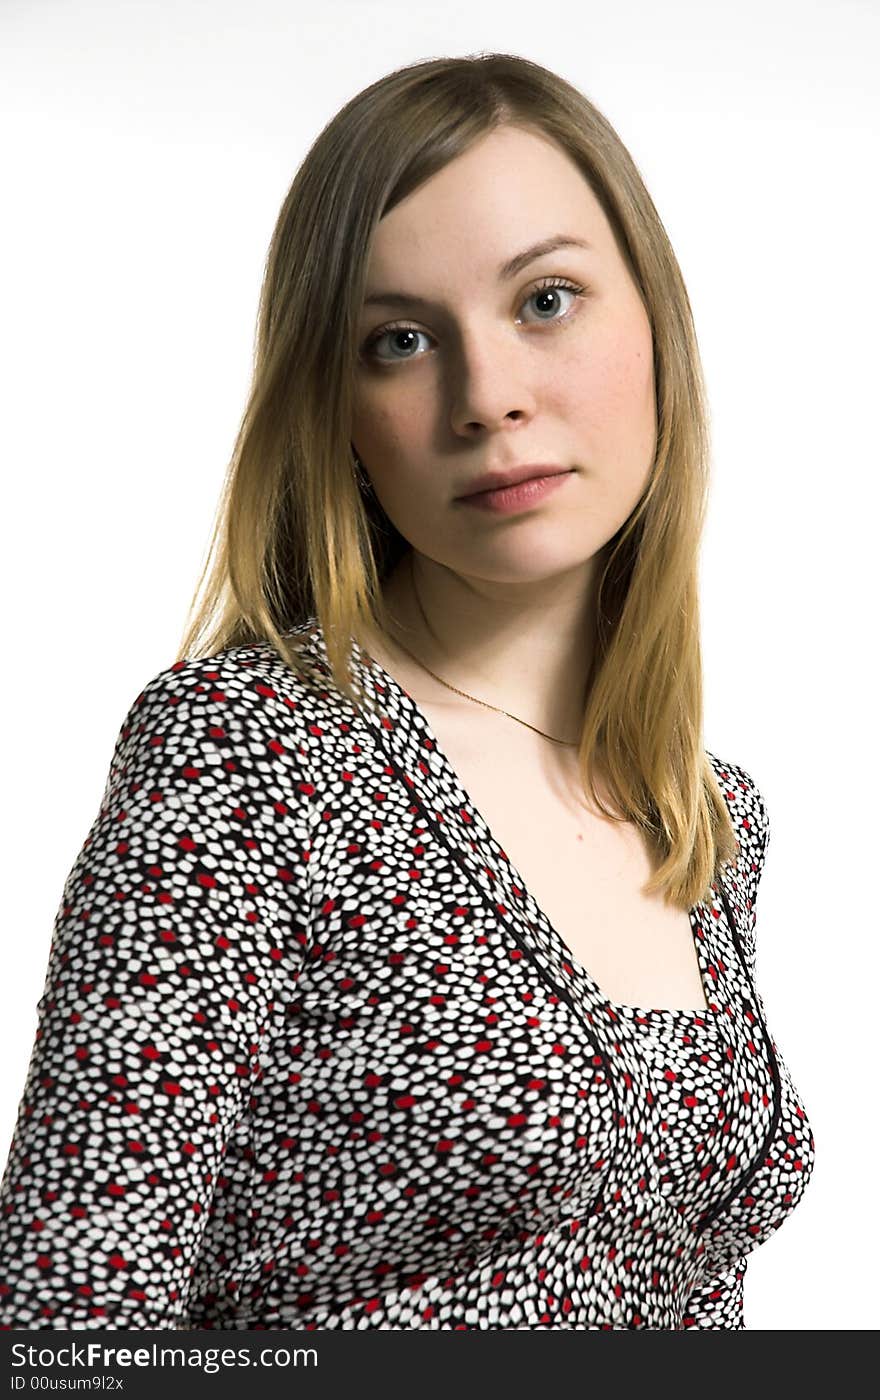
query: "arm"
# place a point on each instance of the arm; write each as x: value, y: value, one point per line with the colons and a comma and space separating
x: 754, y: 834
x: 718, y: 1301
x: 183, y: 910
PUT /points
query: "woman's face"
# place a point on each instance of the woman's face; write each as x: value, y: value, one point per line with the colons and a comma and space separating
x: 486, y: 371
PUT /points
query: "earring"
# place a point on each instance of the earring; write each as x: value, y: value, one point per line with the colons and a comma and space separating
x: 361, y: 477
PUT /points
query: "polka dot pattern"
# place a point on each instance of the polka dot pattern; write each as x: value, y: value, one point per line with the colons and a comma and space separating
x: 309, y: 1055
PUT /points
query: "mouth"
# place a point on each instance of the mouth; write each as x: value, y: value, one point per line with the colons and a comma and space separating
x: 496, y: 481
x: 522, y: 495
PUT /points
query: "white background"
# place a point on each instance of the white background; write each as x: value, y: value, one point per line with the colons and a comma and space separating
x: 147, y: 148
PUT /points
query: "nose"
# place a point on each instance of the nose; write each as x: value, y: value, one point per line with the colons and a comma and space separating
x: 490, y: 385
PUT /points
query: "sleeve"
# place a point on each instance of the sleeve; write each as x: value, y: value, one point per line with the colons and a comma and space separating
x: 755, y: 859
x: 754, y: 832
x: 717, y: 1304
x: 185, y: 907
x: 751, y: 824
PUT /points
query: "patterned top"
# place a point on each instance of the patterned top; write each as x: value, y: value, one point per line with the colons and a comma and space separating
x: 309, y: 1054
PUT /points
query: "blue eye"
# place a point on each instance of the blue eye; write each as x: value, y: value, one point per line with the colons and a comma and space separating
x: 555, y: 285
x: 403, y: 329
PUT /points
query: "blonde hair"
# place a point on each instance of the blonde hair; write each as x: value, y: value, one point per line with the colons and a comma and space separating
x: 293, y: 537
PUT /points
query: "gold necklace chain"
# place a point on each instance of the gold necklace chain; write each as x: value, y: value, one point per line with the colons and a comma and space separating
x: 564, y: 742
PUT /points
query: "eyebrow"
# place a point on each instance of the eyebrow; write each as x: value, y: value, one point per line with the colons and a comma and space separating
x: 505, y: 272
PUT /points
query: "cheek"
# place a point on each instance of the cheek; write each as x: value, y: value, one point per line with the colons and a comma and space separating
x: 384, y: 429
x: 613, y: 397
x: 624, y: 378
x: 390, y: 436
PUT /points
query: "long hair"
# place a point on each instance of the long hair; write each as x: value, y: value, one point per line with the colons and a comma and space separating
x: 295, y: 538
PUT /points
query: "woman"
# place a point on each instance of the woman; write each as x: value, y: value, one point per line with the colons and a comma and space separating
x: 405, y: 978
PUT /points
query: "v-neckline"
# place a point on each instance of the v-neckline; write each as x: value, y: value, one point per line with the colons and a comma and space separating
x: 690, y: 1019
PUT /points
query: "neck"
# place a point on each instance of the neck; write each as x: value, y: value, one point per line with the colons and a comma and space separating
x: 525, y: 648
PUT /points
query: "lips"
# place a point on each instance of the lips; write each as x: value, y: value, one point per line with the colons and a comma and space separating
x: 494, y: 481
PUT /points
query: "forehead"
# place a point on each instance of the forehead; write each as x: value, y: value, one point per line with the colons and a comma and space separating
x: 509, y: 190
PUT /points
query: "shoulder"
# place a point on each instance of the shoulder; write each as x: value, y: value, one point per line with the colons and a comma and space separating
x: 751, y: 826
x: 745, y: 802
x: 248, y: 681
x: 240, y: 714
